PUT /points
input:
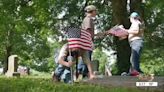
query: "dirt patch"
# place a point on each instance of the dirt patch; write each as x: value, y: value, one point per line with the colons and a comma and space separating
x: 128, y: 81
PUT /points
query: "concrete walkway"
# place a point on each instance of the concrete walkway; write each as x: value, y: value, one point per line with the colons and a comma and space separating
x: 128, y: 81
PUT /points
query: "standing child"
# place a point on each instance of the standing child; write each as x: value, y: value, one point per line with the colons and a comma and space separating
x: 136, y: 33
x: 88, y: 28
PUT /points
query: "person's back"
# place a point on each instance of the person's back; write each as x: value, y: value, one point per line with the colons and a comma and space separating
x: 88, y: 24
x: 62, y: 70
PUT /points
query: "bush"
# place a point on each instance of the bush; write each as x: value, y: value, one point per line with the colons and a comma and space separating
x: 152, y: 62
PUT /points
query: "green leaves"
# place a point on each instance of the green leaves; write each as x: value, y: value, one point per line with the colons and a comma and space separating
x: 26, y: 26
x: 99, y: 55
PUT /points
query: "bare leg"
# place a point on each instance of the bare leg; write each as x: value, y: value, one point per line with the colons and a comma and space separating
x: 85, y: 57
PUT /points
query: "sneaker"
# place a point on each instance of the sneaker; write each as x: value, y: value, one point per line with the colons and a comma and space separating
x: 134, y: 73
x: 124, y: 74
x: 80, y: 77
x: 55, y: 78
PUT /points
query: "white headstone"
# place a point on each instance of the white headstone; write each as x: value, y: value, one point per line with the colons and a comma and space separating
x: 12, y: 66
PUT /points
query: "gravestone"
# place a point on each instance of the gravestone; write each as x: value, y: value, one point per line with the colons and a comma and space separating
x: 12, y: 66
x: 108, y: 70
x: 95, y: 66
x: 23, y: 70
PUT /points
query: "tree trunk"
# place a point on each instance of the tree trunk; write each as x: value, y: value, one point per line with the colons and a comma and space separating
x: 9, y: 38
x: 137, y: 6
x: 8, y: 53
x: 120, y: 16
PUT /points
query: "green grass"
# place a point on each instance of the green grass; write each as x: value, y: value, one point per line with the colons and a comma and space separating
x: 46, y: 85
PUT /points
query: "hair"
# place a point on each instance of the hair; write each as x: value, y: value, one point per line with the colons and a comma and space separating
x: 89, y: 11
x: 141, y: 21
x: 138, y: 18
x: 90, y: 8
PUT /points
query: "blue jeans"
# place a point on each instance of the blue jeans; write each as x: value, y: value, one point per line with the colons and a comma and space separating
x: 63, y: 73
x: 82, y: 67
x: 136, y: 48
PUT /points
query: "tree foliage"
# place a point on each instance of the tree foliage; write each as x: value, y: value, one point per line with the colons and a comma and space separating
x: 32, y: 28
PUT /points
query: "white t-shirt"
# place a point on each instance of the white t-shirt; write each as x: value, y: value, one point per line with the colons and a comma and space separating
x: 135, y: 26
x: 63, y: 51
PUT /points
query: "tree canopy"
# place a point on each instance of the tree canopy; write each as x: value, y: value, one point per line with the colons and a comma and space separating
x: 32, y: 28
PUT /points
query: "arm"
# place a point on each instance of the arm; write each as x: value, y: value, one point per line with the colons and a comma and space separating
x: 62, y: 55
x: 90, y: 31
x: 62, y: 62
x: 134, y: 29
x: 88, y: 26
x: 101, y: 33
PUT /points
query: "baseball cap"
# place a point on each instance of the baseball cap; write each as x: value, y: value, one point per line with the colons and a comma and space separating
x: 90, y: 8
x: 134, y: 14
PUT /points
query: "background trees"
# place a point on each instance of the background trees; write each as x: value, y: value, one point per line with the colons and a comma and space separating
x: 32, y: 28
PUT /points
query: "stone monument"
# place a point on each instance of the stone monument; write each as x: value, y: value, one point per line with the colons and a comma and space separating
x: 95, y: 66
x: 12, y: 66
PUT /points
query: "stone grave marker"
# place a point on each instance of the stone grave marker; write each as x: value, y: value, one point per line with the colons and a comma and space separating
x: 23, y: 70
x: 12, y: 66
x: 95, y: 66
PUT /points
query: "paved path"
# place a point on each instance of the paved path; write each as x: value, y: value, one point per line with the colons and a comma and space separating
x: 127, y: 81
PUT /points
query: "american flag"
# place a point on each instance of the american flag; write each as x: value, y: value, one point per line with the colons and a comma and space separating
x: 78, y: 38
x: 117, y: 31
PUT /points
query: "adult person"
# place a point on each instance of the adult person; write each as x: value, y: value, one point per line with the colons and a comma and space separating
x: 62, y: 71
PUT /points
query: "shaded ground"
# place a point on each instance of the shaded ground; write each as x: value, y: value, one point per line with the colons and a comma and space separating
x: 127, y: 81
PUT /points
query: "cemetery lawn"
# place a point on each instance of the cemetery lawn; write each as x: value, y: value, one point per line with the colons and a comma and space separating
x: 47, y: 85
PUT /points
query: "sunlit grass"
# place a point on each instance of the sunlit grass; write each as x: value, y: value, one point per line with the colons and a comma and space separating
x: 29, y: 84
